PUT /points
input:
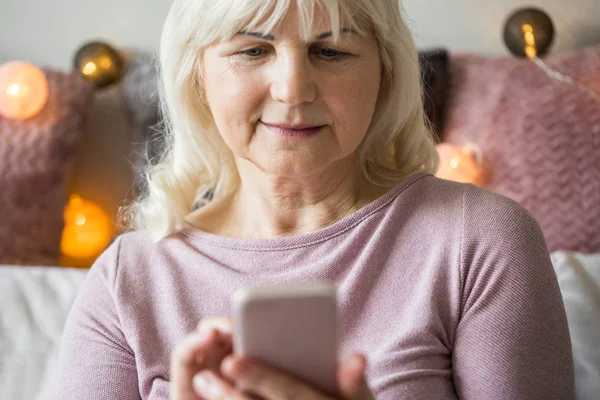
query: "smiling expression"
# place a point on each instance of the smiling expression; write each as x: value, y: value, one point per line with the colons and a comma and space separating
x: 289, y: 107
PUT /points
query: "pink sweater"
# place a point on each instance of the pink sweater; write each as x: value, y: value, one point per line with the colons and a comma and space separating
x: 448, y: 289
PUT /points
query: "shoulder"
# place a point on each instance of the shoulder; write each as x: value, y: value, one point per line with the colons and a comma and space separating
x: 427, y: 193
x: 472, y: 198
x: 136, y: 253
x: 484, y: 218
x: 479, y: 207
x: 489, y: 215
x: 501, y: 242
x: 134, y: 241
x: 137, y: 243
x: 127, y: 245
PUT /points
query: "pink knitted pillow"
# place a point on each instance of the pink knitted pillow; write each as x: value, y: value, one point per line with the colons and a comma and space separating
x: 35, y: 158
x: 540, y: 138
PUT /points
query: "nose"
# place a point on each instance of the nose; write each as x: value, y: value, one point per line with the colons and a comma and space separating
x: 293, y: 81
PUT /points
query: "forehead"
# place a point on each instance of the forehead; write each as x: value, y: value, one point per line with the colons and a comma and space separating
x: 307, y: 19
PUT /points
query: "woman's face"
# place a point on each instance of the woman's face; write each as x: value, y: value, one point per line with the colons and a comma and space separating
x: 293, y: 109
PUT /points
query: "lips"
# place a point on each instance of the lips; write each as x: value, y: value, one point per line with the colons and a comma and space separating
x: 297, y: 131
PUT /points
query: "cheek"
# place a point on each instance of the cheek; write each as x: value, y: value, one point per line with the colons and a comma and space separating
x: 352, y: 103
x: 235, y: 101
x: 230, y: 95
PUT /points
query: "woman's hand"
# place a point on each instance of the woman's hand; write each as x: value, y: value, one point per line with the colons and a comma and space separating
x: 203, y: 368
x: 270, y: 384
x: 203, y: 350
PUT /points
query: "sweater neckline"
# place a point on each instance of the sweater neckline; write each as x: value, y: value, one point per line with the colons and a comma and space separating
x: 303, y: 240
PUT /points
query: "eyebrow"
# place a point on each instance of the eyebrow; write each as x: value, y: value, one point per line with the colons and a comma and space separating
x: 267, y: 36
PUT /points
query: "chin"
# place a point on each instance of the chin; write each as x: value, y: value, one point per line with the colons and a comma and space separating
x: 293, y: 168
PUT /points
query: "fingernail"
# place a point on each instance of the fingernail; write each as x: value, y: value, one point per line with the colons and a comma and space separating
x: 227, y: 365
x: 224, y: 325
x: 206, y: 386
x: 212, y: 335
x: 356, y: 363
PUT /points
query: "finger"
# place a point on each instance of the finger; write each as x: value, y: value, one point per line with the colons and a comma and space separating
x: 259, y: 379
x: 221, y: 347
x: 222, y: 324
x: 187, y: 359
x: 210, y: 386
x: 350, y: 376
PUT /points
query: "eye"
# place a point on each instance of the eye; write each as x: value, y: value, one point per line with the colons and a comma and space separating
x: 330, y: 54
x: 253, y: 53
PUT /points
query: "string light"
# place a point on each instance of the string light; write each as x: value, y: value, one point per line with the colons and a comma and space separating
x: 23, y: 90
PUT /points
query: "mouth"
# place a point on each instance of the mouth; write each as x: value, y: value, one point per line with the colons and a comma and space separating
x: 294, y: 131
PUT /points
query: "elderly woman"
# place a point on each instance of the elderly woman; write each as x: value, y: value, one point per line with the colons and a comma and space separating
x: 298, y: 152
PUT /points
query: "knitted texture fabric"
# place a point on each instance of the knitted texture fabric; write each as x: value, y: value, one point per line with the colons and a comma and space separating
x: 447, y: 289
x: 540, y: 138
x: 35, y: 158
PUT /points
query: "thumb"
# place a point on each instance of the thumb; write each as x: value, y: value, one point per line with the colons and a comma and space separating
x: 351, y: 376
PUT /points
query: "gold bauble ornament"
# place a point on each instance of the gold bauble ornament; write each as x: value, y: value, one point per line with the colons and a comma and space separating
x: 528, y: 32
x: 99, y: 63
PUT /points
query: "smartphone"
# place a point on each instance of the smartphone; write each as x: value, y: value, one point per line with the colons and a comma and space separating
x: 291, y: 328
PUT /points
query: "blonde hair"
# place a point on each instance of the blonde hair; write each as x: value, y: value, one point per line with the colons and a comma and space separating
x: 198, y: 165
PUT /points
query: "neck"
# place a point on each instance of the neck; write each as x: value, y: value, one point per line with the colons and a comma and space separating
x: 271, y: 206
x: 267, y: 206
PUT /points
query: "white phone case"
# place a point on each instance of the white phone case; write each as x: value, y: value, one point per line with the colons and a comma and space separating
x: 291, y: 328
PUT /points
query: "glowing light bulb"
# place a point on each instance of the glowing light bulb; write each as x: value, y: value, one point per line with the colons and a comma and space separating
x: 23, y: 90
x: 460, y: 164
x: 87, y: 229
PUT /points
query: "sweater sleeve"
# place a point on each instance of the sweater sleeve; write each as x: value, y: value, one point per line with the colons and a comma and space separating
x: 95, y: 360
x: 512, y: 340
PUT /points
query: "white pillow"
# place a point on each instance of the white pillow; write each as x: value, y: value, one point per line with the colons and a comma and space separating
x: 35, y: 304
x: 579, y: 279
